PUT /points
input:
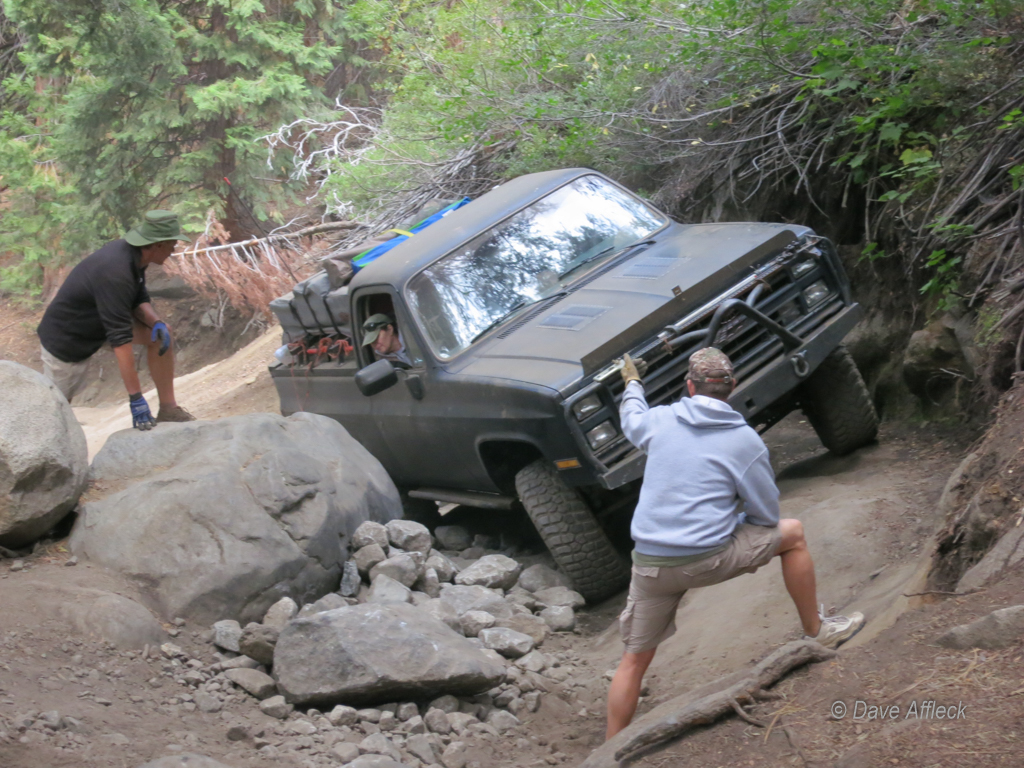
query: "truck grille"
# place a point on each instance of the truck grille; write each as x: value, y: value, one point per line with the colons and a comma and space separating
x: 749, y: 345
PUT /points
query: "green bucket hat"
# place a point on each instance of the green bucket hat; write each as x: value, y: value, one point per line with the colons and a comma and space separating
x: 373, y: 325
x: 156, y: 227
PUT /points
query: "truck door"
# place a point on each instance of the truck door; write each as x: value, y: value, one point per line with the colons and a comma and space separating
x: 406, y: 415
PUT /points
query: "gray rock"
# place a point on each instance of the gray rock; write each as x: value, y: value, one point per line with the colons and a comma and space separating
x: 280, y: 613
x: 409, y: 535
x: 437, y: 721
x: 528, y: 624
x: 428, y: 583
x: 100, y: 615
x: 492, y: 571
x: 343, y: 715
x: 369, y: 653
x: 345, y: 751
x: 1006, y: 554
x: 559, y: 596
x: 507, y: 642
x: 367, y: 557
x: 519, y: 596
x: 44, y: 463
x: 453, y: 537
x: 561, y: 618
x: 462, y: 720
x: 376, y: 761
x: 385, y: 591
x: 378, y: 744
x: 226, y: 634
x: 455, y: 755
x: 277, y: 707
x: 402, y: 568
x: 349, y: 579
x: 442, y: 611
x: 257, y: 642
x: 185, y: 760
x: 419, y: 747
x: 370, y: 533
x: 539, y: 576
x: 407, y: 711
x: 534, y: 661
x: 502, y: 721
x: 260, y: 685
x: 475, y: 598
x: 328, y: 602
x: 474, y: 621
x: 240, y: 662
x: 419, y: 598
x: 467, y: 556
x: 443, y: 566
x: 220, y: 519
x: 369, y: 715
x: 207, y: 702
x: 999, y: 629
x: 446, y: 704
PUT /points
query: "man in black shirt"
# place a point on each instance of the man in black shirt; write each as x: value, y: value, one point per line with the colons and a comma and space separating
x: 104, y: 300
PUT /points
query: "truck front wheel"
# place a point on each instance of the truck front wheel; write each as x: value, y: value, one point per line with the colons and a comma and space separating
x: 571, y: 532
x: 838, y: 405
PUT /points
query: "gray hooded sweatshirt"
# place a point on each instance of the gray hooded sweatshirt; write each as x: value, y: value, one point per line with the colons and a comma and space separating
x: 707, y: 471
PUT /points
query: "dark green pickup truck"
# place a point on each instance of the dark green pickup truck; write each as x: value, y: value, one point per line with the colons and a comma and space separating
x: 515, y: 311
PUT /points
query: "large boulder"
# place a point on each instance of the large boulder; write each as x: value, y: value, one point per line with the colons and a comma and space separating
x: 368, y: 654
x: 221, y: 519
x: 44, y: 462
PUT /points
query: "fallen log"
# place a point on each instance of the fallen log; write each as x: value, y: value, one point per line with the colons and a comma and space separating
x: 707, y: 704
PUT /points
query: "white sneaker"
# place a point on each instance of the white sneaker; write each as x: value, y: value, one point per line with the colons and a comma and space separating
x: 836, y: 630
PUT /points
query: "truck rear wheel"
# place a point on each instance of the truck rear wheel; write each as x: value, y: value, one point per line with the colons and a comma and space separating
x: 838, y: 405
x: 571, y: 532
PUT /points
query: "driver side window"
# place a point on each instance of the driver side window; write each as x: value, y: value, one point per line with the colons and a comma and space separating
x: 391, y: 338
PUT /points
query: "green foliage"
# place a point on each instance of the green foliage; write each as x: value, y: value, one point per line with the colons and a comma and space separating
x: 128, y: 105
x: 944, y: 281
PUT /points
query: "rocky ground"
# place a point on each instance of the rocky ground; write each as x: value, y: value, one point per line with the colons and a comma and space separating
x: 66, y: 699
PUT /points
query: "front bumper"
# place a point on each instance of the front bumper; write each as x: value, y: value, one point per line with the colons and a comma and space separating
x: 764, y: 388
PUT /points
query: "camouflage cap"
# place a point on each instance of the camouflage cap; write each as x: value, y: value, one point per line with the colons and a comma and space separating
x: 710, y: 365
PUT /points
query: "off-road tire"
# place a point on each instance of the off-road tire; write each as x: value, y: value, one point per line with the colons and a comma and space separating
x: 571, y: 532
x: 838, y: 405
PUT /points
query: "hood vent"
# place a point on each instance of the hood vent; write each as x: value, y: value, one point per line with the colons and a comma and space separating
x: 648, y: 268
x: 573, y: 318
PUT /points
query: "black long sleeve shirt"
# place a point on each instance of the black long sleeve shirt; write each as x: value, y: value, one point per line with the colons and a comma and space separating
x: 95, y: 303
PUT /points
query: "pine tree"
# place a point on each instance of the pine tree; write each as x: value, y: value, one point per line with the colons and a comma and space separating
x: 128, y: 105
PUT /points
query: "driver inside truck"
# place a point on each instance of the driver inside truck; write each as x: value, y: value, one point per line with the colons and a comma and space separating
x: 382, y: 335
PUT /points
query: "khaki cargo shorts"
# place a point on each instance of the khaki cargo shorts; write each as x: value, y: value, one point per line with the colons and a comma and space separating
x: 70, y: 378
x: 654, y: 593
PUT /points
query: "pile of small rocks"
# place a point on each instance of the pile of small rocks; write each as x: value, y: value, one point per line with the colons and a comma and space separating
x: 505, y: 610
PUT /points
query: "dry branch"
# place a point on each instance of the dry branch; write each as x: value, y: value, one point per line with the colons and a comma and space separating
x: 683, y: 713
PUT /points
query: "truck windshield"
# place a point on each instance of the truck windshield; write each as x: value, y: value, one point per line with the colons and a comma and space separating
x: 523, y: 260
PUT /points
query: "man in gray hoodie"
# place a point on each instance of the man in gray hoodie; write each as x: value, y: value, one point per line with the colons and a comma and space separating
x: 708, y: 511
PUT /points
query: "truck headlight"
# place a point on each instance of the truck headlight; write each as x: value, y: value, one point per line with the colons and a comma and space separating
x: 815, y: 293
x: 603, y: 433
x: 803, y: 267
x: 586, y: 406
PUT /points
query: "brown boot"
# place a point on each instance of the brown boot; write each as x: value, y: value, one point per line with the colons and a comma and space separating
x: 170, y: 413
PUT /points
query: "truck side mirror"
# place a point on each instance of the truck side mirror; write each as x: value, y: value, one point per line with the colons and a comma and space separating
x: 376, y: 377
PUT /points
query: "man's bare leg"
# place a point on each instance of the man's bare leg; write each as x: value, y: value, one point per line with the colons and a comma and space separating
x: 624, y: 693
x: 161, y: 367
x: 798, y: 573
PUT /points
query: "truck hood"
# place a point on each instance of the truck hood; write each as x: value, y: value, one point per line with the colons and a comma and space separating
x: 604, y: 313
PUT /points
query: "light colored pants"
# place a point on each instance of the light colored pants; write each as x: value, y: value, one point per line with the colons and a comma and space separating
x: 70, y: 378
x: 654, y: 593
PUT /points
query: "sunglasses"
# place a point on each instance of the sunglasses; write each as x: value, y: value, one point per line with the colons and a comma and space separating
x: 375, y: 326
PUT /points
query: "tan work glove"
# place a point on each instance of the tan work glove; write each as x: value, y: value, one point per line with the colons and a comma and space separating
x: 631, y: 371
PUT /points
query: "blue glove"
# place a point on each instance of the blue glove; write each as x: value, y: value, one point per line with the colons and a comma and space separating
x: 162, y: 332
x: 141, y: 416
